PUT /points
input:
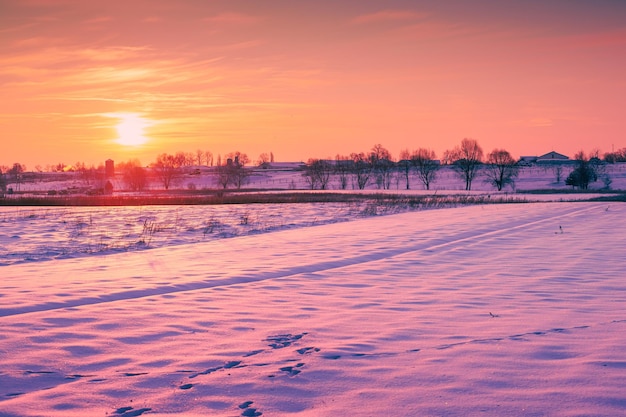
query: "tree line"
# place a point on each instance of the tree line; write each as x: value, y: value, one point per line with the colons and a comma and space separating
x: 378, y: 166
x: 169, y: 168
x: 467, y: 160
x: 359, y: 170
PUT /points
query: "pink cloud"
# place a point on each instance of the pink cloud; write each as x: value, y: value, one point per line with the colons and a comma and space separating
x: 96, y: 20
x: 114, y: 53
x: 600, y: 39
x: 389, y: 15
x: 232, y: 18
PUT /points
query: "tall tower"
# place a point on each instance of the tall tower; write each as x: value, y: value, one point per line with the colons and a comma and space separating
x: 109, y: 168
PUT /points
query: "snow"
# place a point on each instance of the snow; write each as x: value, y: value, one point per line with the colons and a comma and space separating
x: 508, y: 310
x: 30, y: 234
x: 286, y: 176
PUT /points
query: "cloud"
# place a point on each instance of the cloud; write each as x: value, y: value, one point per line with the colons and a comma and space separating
x: 18, y: 28
x: 232, y: 18
x: 36, y: 42
x: 540, y: 122
x: 97, y: 20
x: 389, y: 16
x: 603, y: 38
x: 114, y: 53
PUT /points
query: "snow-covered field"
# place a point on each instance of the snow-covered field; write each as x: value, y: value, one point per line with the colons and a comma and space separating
x: 504, y: 310
x: 287, y: 177
x: 31, y: 234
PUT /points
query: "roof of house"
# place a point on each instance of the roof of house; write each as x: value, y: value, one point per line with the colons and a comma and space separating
x: 553, y: 155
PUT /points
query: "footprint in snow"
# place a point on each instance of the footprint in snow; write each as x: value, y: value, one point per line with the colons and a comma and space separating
x: 249, y: 411
x: 130, y: 412
x: 307, y: 350
x: 291, y: 370
x: 283, y: 340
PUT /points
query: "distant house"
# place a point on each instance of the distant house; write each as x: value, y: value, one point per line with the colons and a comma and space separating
x: 527, y: 160
x: 547, y: 158
x: 553, y: 157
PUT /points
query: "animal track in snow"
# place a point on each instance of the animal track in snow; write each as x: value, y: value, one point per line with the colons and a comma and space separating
x: 284, y: 340
x: 130, y: 412
x: 249, y: 411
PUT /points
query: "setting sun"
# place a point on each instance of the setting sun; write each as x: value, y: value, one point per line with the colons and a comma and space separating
x: 131, y: 129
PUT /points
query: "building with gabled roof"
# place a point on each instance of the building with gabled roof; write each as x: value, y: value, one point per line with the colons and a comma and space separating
x: 552, y: 156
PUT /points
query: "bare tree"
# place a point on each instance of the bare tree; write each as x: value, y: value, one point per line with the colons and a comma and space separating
x: 208, y: 157
x: 615, y: 156
x: 199, y: 157
x: 404, y: 166
x: 425, y: 164
x: 89, y: 175
x: 3, y: 181
x: 16, y: 174
x: 136, y: 178
x: 466, y: 160
x: 234, y: 170
x: 361, y: 169
x: 557, y: 170
x: 317, y: 173
x: 238, y: 158
x: 382, y: 165
x: 264, y: 160
x: 342, y: 168
x: 501, y: 169
x: 223, y: 175
x: 186, y: 159
x: 239, y: 172
x: 379, y: 152
x: 168, y: 168
x: 134, y: 175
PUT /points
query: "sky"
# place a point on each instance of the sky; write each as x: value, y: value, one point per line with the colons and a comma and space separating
x: 88, y: 81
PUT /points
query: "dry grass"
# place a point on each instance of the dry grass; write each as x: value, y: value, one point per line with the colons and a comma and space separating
x: 251, y: 197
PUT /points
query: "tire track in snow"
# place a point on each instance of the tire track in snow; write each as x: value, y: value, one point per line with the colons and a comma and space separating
x: 429, y: 246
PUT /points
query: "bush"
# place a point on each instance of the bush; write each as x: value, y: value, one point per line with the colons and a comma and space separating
x: 587, y: 171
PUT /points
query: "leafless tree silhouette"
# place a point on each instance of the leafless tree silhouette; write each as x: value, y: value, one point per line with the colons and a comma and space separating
x: 382, y: 165
x: 361, y: 169
x: 317, y: 173
x: 501, y: 169
x: 466, y: 160
x: 425, y: 164
x: 168, y: 168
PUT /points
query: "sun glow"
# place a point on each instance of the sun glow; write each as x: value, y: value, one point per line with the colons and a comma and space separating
x: 131, y: 129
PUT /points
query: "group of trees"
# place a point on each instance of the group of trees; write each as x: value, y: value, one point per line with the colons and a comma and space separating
x: 14, y: 174
x: 377, y: 167
x: 234, y: 171
x: 167, y: 169
x: 588, y: 169
x: 615, y: 156
x: 467, y: 161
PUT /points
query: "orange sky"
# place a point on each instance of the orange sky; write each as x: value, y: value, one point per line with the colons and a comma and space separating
x: 309, y: 79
